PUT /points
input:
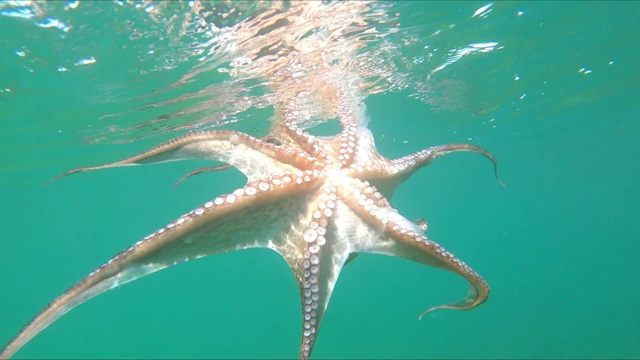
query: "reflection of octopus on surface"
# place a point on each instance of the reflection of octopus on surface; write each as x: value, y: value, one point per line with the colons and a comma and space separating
x: 317, y: 201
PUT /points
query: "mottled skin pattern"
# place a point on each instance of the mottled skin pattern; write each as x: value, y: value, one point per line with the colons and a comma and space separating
x: 317, y: 201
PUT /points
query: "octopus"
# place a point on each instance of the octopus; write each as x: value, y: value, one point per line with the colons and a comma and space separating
x: 317, y: 201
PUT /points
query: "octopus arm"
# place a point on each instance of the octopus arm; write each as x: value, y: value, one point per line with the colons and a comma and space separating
x: 253, y: 157
x: 384, y: 231
x: 389, y: 174
x: 409, y: 164
x: 249, y: 217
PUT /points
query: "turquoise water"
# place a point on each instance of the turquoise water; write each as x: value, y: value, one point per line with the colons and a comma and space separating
x: 555, y: 100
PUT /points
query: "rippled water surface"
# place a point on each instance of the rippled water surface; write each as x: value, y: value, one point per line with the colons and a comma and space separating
x: 550, y: 88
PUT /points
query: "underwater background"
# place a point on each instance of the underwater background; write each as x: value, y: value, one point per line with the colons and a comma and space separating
x: 550, y: 88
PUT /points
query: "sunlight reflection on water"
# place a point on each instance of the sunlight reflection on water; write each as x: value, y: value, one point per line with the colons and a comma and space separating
x: 214, y: 63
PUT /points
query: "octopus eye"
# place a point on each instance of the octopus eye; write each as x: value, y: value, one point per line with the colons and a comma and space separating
x: 274, y: 141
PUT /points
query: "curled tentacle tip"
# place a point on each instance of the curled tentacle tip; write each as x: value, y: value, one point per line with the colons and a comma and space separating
x: 495, y: 171
x: 61, y: 176
x: 430, y: 310
x: 200, y: 171
x: 502, y: 183
x: 175, y: 185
